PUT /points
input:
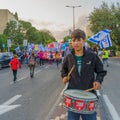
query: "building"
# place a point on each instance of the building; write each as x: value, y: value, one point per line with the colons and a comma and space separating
x: 5, y: 17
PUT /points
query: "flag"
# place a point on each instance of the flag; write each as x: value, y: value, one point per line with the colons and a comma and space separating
x: 59, y: 46
x: 63, y: 47
x: 32, y: 45
x: 102, y: 38
x: 46, y: 48
x: 51, y: 45
x: 67, y: 44
x: 106, y: 42
x: 17, y: 48
x: 29, y: 47
x: 41, y: 47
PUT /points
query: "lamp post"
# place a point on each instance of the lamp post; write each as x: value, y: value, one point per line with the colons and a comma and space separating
x: 73, y: 7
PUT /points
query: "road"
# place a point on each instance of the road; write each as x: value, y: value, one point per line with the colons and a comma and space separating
x: 110, y: 90
x: 29, y: 99
x: 33, y: 99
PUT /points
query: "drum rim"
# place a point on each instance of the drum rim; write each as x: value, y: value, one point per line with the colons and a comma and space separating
x: 92, y: 97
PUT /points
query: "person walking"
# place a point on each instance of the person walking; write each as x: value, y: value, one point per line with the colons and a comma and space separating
x: 95, y: 49
x: 50, y: 58
x: 57, y: 58
x: 63, y: 55
x: 31, y: 64
x: 15, y: 64
x: 83, y: 75
x: 105, y: 56
x: 41, y: 53
x: 26, y: 57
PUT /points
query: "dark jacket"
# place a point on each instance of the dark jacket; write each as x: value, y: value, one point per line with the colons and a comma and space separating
x: 91, y: 67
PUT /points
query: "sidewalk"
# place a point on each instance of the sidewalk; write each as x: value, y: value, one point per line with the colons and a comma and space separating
x: 59, y: 112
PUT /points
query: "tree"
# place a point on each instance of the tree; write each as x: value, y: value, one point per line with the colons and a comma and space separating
x: 16, y: 16
x: 66, y: 38
x: 24, y: 26
x: 3, y: 41
x: 47, y: 37
x: 11, y: 30
x: 107, y: 17
x: 24, y: 30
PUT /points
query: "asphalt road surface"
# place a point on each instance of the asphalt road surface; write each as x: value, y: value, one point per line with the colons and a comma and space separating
x: 110, y: 91
x: 29, y: 99
x: 33, y: 99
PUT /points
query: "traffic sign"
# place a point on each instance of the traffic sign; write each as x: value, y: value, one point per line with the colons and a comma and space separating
x: 24, y: 42
x: 8, y: 43
x: 3, y: 45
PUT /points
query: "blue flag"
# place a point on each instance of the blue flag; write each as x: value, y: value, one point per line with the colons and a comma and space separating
x: 41, y: 47
x: 102, y: 38
x: 63, y: 47
x: 17, y: 48
x: 106, y: 42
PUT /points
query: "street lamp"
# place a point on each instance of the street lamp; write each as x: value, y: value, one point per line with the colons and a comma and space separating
x: 73, y: 14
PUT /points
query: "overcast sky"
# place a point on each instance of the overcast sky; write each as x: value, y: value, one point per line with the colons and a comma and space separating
x: 51, y: 14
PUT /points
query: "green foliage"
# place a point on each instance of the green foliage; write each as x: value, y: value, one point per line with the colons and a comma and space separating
x: 90, y: 43
x: 113, y: 48
x: 24, y: 26
x: 11, y: 29
x: 18, y: 31
x: 3, y: 40
x: 15, y: 46
x: 66, y: 38
x: 107, y: 18
x: 118, y: 49
x: 16, y: 16
x: 47, y: 37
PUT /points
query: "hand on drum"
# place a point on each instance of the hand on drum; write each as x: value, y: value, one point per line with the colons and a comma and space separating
x: 65, y: 79
x: 96, y: 85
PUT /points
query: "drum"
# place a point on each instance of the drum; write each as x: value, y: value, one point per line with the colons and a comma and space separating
x: 79, y: 101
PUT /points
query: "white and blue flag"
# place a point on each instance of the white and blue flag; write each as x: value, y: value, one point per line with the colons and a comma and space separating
x: 102, y: 38
x: 41, y: 47
x: 17, y: 48
x: 106, y: 42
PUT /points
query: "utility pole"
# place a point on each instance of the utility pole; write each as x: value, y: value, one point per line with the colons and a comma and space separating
x: 73, y: 7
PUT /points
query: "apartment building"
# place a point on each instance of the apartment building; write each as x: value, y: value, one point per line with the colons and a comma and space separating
x: 5, y: 16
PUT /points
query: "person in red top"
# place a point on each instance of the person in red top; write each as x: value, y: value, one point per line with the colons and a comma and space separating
x: 15, y: 64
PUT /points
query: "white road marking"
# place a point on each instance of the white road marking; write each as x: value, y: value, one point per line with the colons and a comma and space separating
x: 10, y: 101
x: 47, y: 66
x: 111, y: 108
x: 5, y: 107
x: 38, y: 71
x: 60, y: 104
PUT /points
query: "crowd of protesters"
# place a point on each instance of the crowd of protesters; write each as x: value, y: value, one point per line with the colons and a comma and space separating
x: 41, y: 56
x: 50, y: 57
x: 32, y: 59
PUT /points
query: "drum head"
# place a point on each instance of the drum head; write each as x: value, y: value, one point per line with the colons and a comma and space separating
x: 79, y: 94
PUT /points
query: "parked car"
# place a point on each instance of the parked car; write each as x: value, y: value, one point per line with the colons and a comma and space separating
x: 5, y: 58
x: 112, y: 53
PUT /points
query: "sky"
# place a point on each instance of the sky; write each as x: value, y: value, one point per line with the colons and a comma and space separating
x: 53, y: 14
